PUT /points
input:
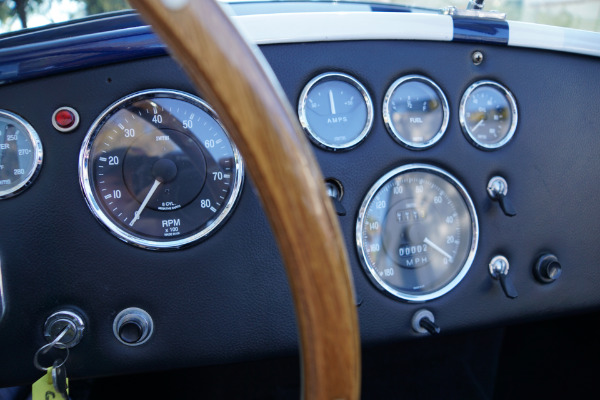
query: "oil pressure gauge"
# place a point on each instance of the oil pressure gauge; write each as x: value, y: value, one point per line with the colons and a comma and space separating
x: 417, y: 232
x: 158, y: 169
x: 336, y: 111
x: 20, y: 154
x: 488, y: 115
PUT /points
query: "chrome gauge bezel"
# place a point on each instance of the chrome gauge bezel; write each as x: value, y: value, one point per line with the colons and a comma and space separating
x: 390, y: 126
x: 314, y: 136
x: 116, y: 230
x: 463, y: 120
x: 361, y: 249
x: 34, y: 169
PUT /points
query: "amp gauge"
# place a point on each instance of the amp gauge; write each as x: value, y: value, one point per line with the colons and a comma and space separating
x: 336, y: 111
x: 488, y: 115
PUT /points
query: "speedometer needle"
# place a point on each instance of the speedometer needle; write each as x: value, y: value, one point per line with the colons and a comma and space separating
x: 478, y: 125
x: 145, y: 202
x: 331, y: 103
x: 438, y: 249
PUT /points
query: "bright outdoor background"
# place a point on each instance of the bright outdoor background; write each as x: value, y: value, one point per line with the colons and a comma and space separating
x: 580, y: 14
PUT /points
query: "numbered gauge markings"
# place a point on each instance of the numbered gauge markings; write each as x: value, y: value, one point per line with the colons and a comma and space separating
x: 159, y: 170
x: 415, y: 112
x: 336, y: 111
x: 488, y: 115
x: 417, y: 232
x: 21, y: 154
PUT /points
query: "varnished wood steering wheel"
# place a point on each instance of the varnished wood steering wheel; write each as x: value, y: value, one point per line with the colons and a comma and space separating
x: 235, y: 79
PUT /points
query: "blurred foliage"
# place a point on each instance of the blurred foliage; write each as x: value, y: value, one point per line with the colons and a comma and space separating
x: 24, y: 8
x: 10, y: 8
x: 100, y: 6
x: 580, y: 14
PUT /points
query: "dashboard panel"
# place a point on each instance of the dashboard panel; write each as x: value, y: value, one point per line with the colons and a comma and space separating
x: 225, y: 298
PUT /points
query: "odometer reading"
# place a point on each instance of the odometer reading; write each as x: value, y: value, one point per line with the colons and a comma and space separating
x: 417, y: 232
x: 158, y: 169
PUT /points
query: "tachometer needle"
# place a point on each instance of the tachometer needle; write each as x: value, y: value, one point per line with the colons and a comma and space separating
x: 478, y: 125
x: 331, y: 103
x: 145, y: 202
x: 438, y: 249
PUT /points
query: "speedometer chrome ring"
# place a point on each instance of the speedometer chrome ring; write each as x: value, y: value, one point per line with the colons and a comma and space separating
x: 417, y: 232
x: 158, y: 169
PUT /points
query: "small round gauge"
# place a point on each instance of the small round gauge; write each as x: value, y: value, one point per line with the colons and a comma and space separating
x: 417, y: 232
x: 20, y: 154
x: 336, y: 111
x: 488, y: 115
x: 159, y: 170
x: 415, y: 111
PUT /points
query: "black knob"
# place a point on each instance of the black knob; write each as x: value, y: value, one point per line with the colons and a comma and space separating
x: 547, y: 269
x: 131, y: 331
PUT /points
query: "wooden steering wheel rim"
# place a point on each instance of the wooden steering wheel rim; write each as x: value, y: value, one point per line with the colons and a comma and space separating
x: 233, y: 76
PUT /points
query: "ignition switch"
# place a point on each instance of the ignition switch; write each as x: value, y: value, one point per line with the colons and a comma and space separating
x: 58, y: 322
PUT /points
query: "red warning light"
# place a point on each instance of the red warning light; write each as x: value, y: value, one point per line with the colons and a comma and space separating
x: 65, y: 119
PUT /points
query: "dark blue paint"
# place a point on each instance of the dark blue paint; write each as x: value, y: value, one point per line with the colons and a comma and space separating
x: 478, y: 30
x: 64, y: 55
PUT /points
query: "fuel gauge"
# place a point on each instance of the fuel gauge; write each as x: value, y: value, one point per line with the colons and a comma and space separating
x: 336, y: 111
x: 415, y: 111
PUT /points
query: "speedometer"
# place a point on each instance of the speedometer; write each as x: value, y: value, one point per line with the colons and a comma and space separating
x: 417, y: 232
x: 158, y: 169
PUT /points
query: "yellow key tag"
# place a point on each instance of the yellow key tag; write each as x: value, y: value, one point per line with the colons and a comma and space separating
x: 43, y: 388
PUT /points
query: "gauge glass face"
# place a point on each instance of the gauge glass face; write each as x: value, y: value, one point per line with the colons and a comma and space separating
x: 336, y: 111
x: 158, y: 169
x: 488, y: 115
x: 415, y: 112
x: 20, y: 154
x: 417, y: 232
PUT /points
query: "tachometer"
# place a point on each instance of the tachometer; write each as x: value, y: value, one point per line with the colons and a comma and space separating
x: 158, y: 169
x: 417, y: 232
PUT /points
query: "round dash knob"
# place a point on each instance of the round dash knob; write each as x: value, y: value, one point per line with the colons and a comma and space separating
x: 547, y: 269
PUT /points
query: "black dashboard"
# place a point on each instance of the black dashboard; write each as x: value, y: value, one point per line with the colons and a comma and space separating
x: 225, y: 298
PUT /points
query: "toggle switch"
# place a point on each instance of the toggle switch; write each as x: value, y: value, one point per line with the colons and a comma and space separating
x: 497, y: 189
x: 424, y: 322
x: 499, y: 268
x: 335, y: 191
